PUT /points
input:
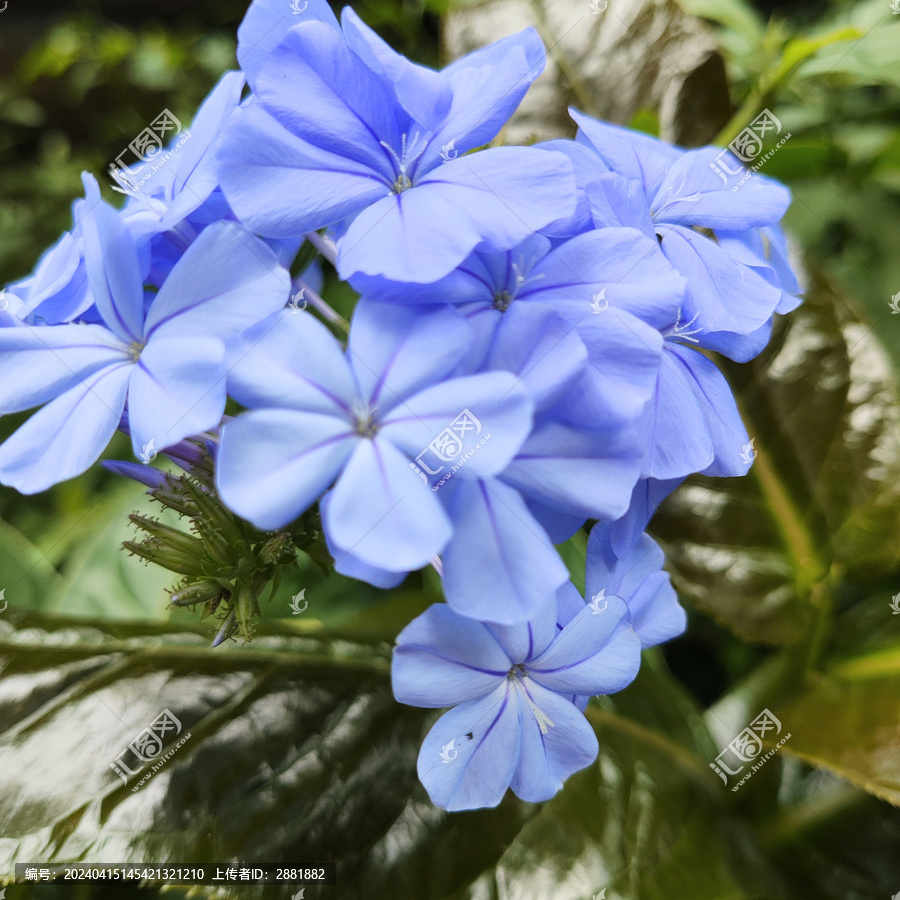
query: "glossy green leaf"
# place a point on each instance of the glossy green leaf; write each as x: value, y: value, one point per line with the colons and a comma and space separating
x: 26, y: 578
x: 297, y: 750
x: 104, y: 581
x: 821, y: 405
x: 849, y: 721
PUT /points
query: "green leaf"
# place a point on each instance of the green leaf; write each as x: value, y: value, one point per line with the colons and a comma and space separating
x: 847, y: 722
x: 736, y: 15
x: 822, y: 406
x: 297, y: 750
x: 26, y: 578
x: 104, y: 581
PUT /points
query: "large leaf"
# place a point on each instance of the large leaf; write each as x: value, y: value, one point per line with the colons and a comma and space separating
x: 824, y: 491
x: 26, y: 578
x: 848, y: 721
x: 631, y: 56
x: 297, y: 750
x: 102, y: 580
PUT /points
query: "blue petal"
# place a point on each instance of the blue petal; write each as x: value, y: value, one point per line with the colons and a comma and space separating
x: 442, y: 659
x: 558, y: 525
x: 423, y: 93
x: 59, y: 290
x: 525, y: 640
x: 177, y: 390
x: 193, y: 175
x: 397, y: 350
x: 345, y: 563
x: 596, y: 653
x: 486, y: 736
x: 113, y: 269
x: 627, y: 266
x: 723, y: 293
x: 628, y: 153
x: 266, y: 24
x: 550, y: 756
x: 38, y: 364
x: 617, y: 201
x: 273, y: 464
x: 468, y: 426
x: 68, y: 435
x: 282, y: 186
x: 638, y: 578
x: 291, y: 361
x: 499, y: 197
x: 723, y: 421
x: 624, y: 356
x: 344, y: 107
x: 692, y: 194
x: 487, y: 86
x: 382, y: 513
x: 227, y: 280
x: 541, y: 348
x: 500, y: 565
x: 590, y: 473
x: 648, y: 494
x: 673, y: 428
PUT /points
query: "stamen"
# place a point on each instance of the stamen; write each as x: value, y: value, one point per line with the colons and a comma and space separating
x: 404, y: 161
x: 544, y: 722
x: 679, y: 331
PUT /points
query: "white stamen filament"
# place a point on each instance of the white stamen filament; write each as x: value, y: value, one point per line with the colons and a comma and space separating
x: 544, y: 722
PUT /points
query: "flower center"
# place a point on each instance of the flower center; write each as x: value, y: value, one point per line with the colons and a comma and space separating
x: 403, y: 162
x: 366, y: 426
x: 135, y: 351
x: 517, y: 675
x: 502, y: 299
x: 682, y: 331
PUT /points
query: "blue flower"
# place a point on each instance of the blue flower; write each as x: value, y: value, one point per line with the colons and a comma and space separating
x: 563, y: 473
x: 379, y: 142
x: 174, y: 190
x: 163, y: 353
x: 358, y: 420
x: 637, y: 577
x: 517, y: 694
x: 720, y: 240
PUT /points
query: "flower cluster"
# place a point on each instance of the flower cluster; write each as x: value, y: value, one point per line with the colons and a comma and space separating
x: 526, y: 359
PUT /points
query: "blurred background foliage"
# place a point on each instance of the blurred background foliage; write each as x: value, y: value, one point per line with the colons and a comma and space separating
x: 787, y: 575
